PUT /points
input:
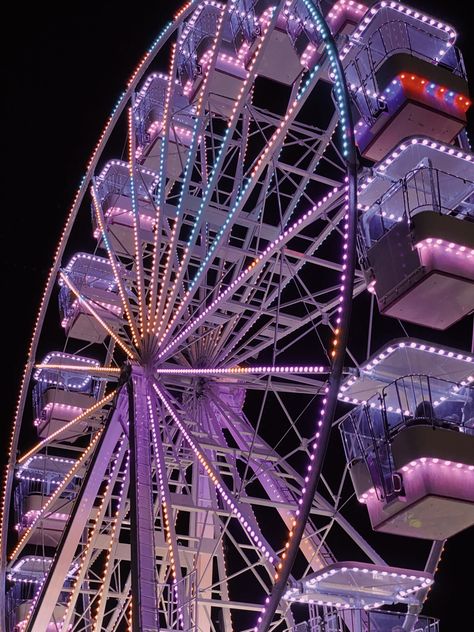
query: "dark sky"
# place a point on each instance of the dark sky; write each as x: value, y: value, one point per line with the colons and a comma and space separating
x: 63, y: 69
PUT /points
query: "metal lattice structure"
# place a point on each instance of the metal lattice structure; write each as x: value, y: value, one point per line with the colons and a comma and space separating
x: 178, y: 480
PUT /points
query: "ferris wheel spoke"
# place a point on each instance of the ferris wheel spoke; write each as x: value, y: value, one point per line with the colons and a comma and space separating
x: 48, y: 594
x: 255, y: 268
x: 137, y: 239
x: 108, y: 373
x: 87, y: 304
x: 277, y: 488
x: 66, y: 427
x: 107, y: 531
x: 244, y: 517
x: 198, y: 131
x: 247, y: 188
x: 161, y: 194
x: 233, y: 342
x: 184, y: 616
x: 314, y: 318
x: 114, y: 262
x: 212, y: 181
x: 111, y: 559
x: 47, y: 508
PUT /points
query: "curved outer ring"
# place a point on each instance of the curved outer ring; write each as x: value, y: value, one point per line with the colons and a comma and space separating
x: 351, y: 162
x: 154, y: 49
x: 279, y: 587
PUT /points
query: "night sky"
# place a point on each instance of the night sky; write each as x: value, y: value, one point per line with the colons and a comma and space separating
x: 63, y: 69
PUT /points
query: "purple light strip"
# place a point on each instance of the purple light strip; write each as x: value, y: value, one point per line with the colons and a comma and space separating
x: 215, y: 477
x: 253, y: 370
x: 256, y: 264
x: 90, y: 309
x: 113, y: 263
x: 97, y: 523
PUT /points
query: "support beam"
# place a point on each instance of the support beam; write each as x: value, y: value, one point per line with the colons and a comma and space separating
x: 48, y: 595
x: 142, y: 537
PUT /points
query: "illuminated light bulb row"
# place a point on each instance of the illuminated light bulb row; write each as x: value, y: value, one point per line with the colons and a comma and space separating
x: 160, y: 197
x: 216, y: 481
x: 269, y: 251
x: 104, y: 174
x: 410, y: 81
x: 333, y: 56
x: 53, y: 408
x: 100, y: 595
x: 38, y: 479
x: 144, y: 88
x: 147, y: 222
x: 447, y: 34
x: 69, y: 356
x: 231, y: 123
x: 422, y: 462
x: 94, y: 313
x: 43, y: 457
x: 96, y: 524
x: 136, y: 226
x: 432, y: 243
x: 296, y: 201
x: 281, y: 128
x: 81, y: 369
x: 428, y: 348
x: 440, y: 92
x: 211, y: 180
x: 257, y: 370
x: 463, y: 383
x: 115, y: 267
x: 78, y: 464
x: 34, y: 514
x: 165, y: 510
x: 307, y: 55
x: 87, y: 413
x: 85, y: 256
x: 195, y: 16
x: 439, y: 463
x: 113, y: 310
x: 424, y: 142
x: 45, y: 366
x: 183, y: 133
x: 59, y: 249
x: 186, y: 173
x: 344, y: 6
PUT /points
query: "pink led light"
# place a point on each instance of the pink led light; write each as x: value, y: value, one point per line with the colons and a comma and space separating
x: 448, y: 247
x: 424, y: 463
x: 446, y: 33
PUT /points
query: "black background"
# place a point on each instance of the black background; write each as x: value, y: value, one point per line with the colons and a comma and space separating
x: 63, y: 68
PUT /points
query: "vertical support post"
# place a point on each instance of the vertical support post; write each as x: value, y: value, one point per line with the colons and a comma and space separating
x: 142, y: 541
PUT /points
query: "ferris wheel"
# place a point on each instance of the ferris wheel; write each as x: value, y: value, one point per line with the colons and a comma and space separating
x: 296, y: 184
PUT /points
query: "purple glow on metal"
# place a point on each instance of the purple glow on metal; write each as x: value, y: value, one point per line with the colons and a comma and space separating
x: 446, y: 32
x: 252, y: 370
x: 270, y: 250
x: 442, y: 246
x: 55, y: 355
x: 215, y: 478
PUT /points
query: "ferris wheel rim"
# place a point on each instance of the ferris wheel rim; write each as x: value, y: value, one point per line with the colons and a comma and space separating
x: 82, y: 190
x: 78, y: 205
